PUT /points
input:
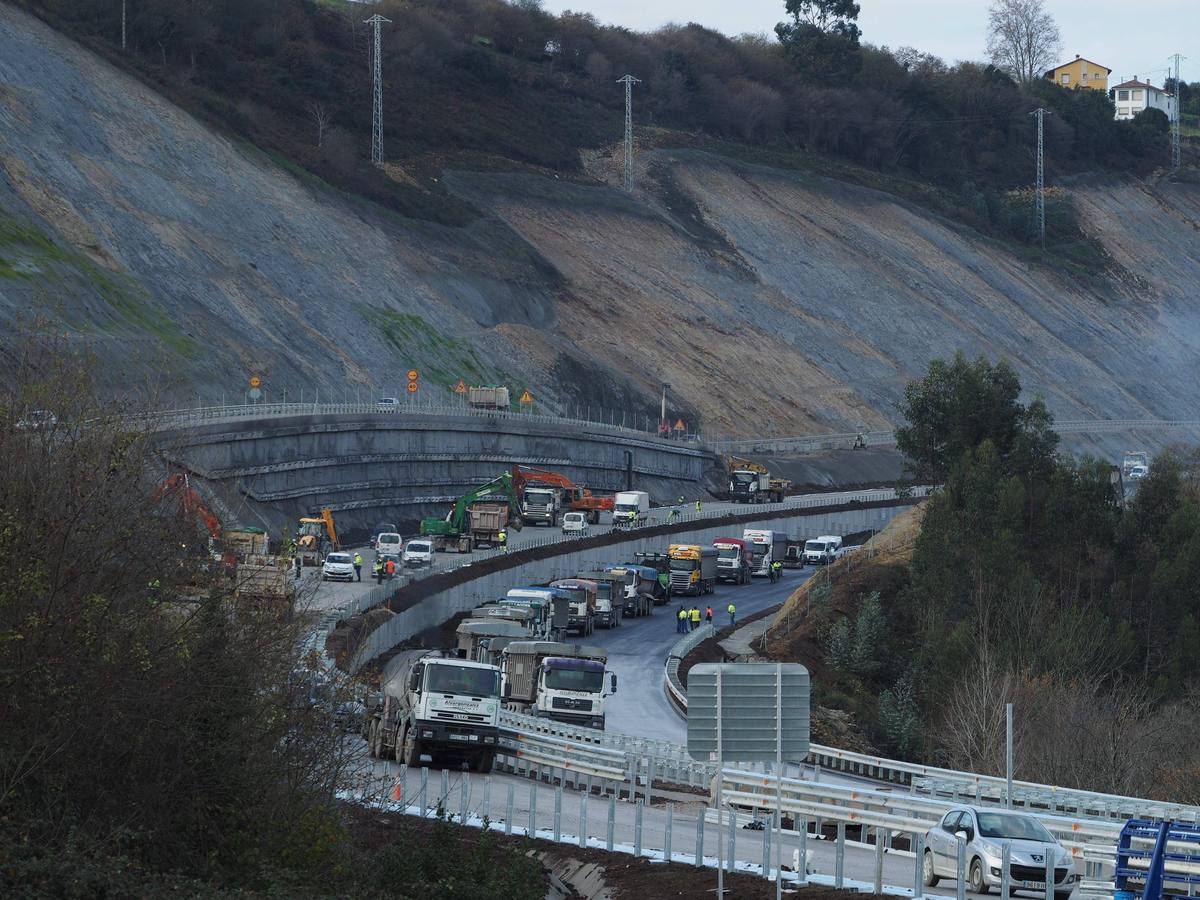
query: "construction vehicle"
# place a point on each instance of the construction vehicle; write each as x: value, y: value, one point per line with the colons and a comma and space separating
x: 484, y: 639
x: 551, y: 680
x: 794, y: 557
x: 267, y: 581
x: 610, y: 597
x: 445, y: 707
x: 455, y: 531
x: 630, y: 509
x: 582, y: 595
x: 1136, y: 464
x: 751, y: 482
x: 660, y: 563
x: 316, y: 538
x: 191, y: 505
x: 693, y: 569
x: 766, y: 547
x: 544, y: 495
x: 488, y: 398
x: 735, y: 560
x: 641, y: 585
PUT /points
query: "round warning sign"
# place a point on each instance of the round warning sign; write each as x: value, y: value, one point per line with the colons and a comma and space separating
x: 255, y: 381
x: 413, y: 374
x: 413, y: 387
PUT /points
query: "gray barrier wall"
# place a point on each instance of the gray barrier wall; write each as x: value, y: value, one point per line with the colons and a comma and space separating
x: 433, y: 611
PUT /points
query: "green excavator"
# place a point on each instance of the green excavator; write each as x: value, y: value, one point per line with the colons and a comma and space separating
x: 470, y: 523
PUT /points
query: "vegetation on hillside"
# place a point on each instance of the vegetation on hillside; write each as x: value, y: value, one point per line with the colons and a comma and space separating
x: 157, y: 735
x: 1030, y: 582
x: 492, y: 83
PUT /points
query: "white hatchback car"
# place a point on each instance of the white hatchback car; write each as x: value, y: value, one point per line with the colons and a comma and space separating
x: 575, y: 523
x: 338, y: 567
x: 417, y: 553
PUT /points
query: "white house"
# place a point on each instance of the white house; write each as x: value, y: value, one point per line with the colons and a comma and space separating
x: 1133, y: 96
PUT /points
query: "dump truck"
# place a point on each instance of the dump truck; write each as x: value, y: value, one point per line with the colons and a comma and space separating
x: 268, y: 581
x: 693, y: 569
x: 640, y: 583
x: 751, y: 482
x: 660, y: 563
x: 454, y: 531
x: 630, y: 508
x: 487, y: 520
x: 546, y: 495
x: 484, y: 639
x: 432, y: 704
x: 735, y: 559
x: 488, y: 398
x: 552, y: 680
x: 610, y: 597
x: 582, y: 594
x: 766, y: 547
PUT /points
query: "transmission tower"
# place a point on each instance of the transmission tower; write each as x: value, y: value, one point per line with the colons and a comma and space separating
x: 1041, y: 173
x: 1176, y: 152
x: 629, y: 81
x: 122, y: 26
x: 377, y: 107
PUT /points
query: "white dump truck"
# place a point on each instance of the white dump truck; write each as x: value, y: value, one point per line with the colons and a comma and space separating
x: 630, y: 508
x: 552, y: 680
x: 431, y: 704
x: 766, y: 547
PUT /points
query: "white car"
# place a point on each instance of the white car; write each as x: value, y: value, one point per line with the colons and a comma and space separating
x: 338, y: 567
x: 388, y: 403
x: 417, y: 553
x: 575, y: 523
x: 1137, y: 472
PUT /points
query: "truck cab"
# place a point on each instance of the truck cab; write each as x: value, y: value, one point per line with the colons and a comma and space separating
x: 735, y: 561
x: 443, y: 707
x: 766, y: 547
x: 641, y: 585
x: 582, y: 594
x: 564, y: 682
x: 693, y: 569
x: 630, y: 507
x: 821, y: 551
x: 540, y: 505
x: 610, y: 597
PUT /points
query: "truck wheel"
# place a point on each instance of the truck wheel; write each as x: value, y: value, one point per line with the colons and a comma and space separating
x: 412, y: 750
x: 373, y: 740
x: 483, y: 765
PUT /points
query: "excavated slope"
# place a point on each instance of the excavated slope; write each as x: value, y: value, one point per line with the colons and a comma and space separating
x: 772, y: 302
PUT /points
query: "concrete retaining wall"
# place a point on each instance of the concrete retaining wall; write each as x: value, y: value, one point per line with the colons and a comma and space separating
x: 371, y: 467
x: 433, y: 611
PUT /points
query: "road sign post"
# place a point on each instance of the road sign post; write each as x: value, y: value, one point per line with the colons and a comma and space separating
x: 748, y: 712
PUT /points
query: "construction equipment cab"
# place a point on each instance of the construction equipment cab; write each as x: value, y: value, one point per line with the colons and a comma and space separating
x: 317, y: 538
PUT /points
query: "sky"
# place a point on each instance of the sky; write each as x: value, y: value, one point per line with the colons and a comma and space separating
x: 1131, y: 38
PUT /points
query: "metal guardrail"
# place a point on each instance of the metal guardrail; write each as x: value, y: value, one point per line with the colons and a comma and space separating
x: 676, y: 692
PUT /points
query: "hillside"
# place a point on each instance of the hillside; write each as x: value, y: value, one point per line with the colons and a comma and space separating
x: 773, y: 299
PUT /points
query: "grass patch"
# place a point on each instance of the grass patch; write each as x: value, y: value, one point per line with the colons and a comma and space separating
x: 411, y: 334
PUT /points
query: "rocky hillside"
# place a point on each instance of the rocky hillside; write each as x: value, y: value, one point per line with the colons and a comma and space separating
x: 772, y: 301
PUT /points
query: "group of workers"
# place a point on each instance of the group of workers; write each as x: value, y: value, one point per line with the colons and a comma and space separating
x: 688, y: 618
x: 383, y: 567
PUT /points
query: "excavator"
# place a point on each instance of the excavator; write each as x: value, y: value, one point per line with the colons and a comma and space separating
x: 316, y: 538
x: 193, y: 506
x: 538, y: 506
x: 464, y: 527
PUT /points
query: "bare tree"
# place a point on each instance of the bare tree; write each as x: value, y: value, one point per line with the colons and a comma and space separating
x: 320, y: 117
x: 1023, y: 38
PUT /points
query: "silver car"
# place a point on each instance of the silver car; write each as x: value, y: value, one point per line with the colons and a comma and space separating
x: 986, y: 831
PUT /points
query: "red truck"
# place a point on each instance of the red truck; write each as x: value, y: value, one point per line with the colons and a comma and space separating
x: 735, y: 560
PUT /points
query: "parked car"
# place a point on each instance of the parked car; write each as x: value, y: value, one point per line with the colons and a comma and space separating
x: 338, y: 567
x: 382, y: 528
x: 575, y: 523
x: 388, y: 403
x: 417, y: 553
x: 389, y: 543
x: 985, y: 832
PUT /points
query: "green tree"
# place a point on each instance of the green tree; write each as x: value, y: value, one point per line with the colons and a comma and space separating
x: 959, y: 405
x: 822, y: 38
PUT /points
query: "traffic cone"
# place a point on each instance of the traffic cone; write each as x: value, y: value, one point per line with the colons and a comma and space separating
x: 396, y: 795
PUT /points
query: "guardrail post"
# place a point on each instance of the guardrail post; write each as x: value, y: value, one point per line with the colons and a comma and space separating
x: 508, y: 813
x: 961, y: 890
x: 1006, y: 871
x: 650, y: 780
x: 731, y: 857
x: 583, y: 801
x: 533, y: 794
x: 879, y: 830
x: 766, y: 847
x: 487, y: 797
x: 1049, y: 873
x: 637, y: 828
x: 424, y: 790
x: 612, y: 821
x: 918, y: 845
x: 700, y: 835
x: 464, y: 797
x: 558, y: 792
x: 444, y: 791
x: 667, y: 832
x: 839, y: 858
x: 802, y: 870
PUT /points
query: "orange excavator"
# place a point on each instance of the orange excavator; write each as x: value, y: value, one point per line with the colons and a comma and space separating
x: 540, y: 502
x: 191, y: 505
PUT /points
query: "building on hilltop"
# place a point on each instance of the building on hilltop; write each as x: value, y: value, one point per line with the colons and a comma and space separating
x: 1080, y: 73
x: 1133, y: 96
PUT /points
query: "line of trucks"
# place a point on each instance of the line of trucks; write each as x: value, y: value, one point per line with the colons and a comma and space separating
x: 446, y: 704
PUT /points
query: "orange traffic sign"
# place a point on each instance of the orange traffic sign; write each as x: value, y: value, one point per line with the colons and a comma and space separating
x: 527, y: 397
x: 255, y: 381
x: 679, y: 425
x: 461, y: 387
x: 413, y: 375
x: 412, y: 387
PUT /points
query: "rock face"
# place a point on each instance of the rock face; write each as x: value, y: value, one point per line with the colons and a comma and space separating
x: 772, y: 302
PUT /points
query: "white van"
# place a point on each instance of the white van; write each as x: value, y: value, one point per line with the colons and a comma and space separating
x: 822, y: 550
x: 388, y: 544
x: 575, y: 523
x: 418, y: 553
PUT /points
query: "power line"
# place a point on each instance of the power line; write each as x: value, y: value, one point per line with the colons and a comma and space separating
x: 377, y: 106
x: 1041, y: 114
x: 629, y: 81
